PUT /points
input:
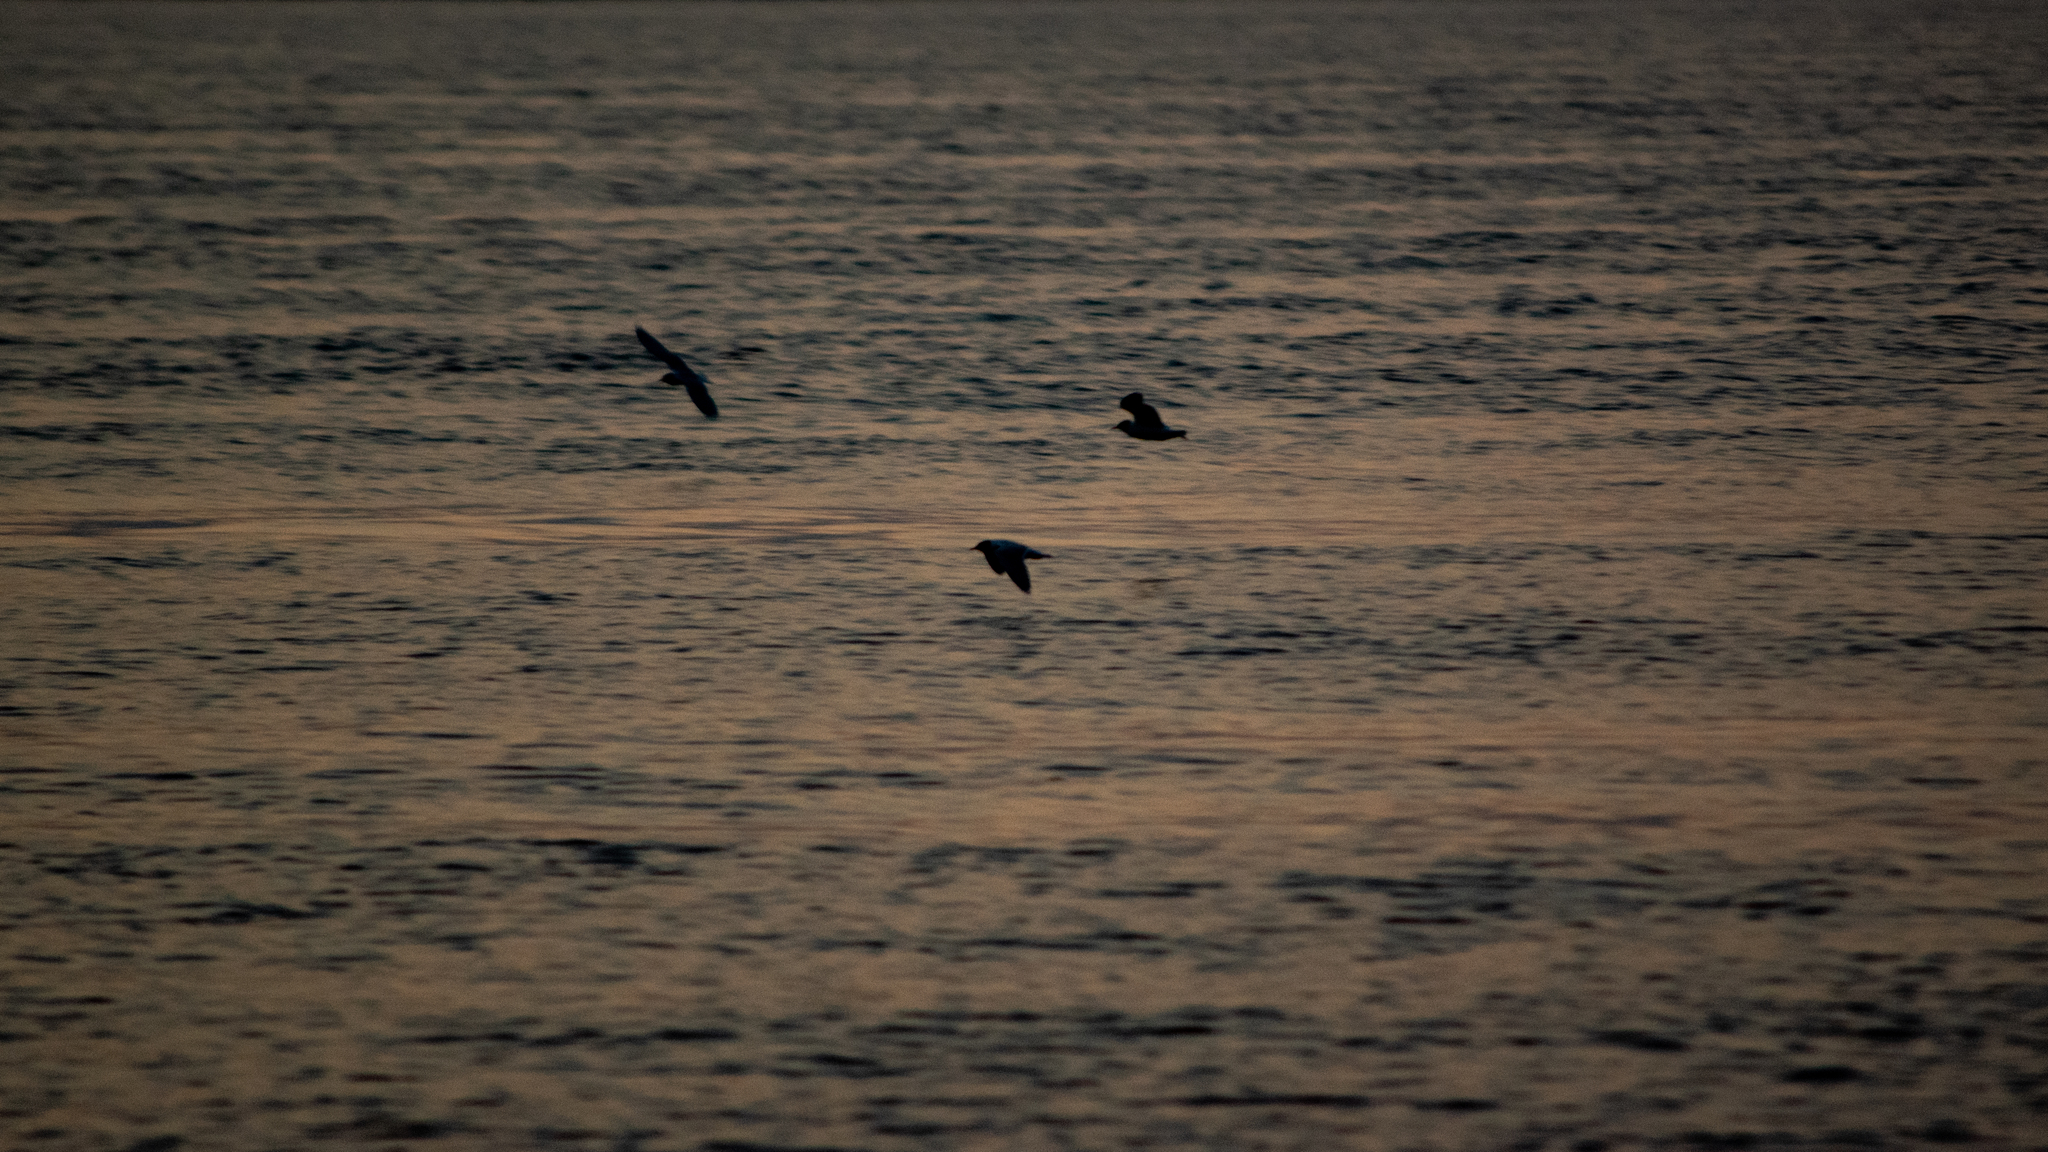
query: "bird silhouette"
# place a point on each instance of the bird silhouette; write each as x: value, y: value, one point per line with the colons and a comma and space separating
x: 679, y: 373
x: 1008, y: 556
x: 1144, y: 423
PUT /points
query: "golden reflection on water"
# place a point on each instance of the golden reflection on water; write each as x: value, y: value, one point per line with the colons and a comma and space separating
x: 1578, y: 686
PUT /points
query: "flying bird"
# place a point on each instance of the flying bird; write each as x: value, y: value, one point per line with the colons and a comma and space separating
x: 1007, y: 557
x: 679, y: 373
x: 1144, y: 423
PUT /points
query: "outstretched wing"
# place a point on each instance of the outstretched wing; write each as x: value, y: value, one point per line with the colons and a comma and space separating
x: 1145, y: 416
x: 699, y: 394
x: 675, y: 363
x: 1014, y: 564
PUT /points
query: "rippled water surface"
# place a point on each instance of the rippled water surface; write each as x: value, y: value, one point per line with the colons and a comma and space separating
x: 1578, y: 685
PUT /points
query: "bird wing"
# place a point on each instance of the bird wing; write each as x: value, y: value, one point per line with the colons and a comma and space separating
x: 1143, y: 415
x: 1019, y: 572
x: 675, y: 363
x: 701, y: 397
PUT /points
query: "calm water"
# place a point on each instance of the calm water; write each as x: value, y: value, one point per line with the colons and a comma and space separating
x: 1577, y: 687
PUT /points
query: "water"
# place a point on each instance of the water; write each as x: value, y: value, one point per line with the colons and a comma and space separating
x: 1577, y: 686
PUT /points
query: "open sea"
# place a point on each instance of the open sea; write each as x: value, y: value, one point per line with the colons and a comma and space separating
x: 1581, y: 685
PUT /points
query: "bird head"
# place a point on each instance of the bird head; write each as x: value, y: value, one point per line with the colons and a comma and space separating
x: 985, y: 547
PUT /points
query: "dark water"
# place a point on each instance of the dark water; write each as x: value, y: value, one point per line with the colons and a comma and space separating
x: 1577, y: 687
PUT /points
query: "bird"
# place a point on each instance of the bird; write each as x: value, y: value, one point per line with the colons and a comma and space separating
x: 1145, y: 423
x: 1007, y: 557
x: 679, y: 373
